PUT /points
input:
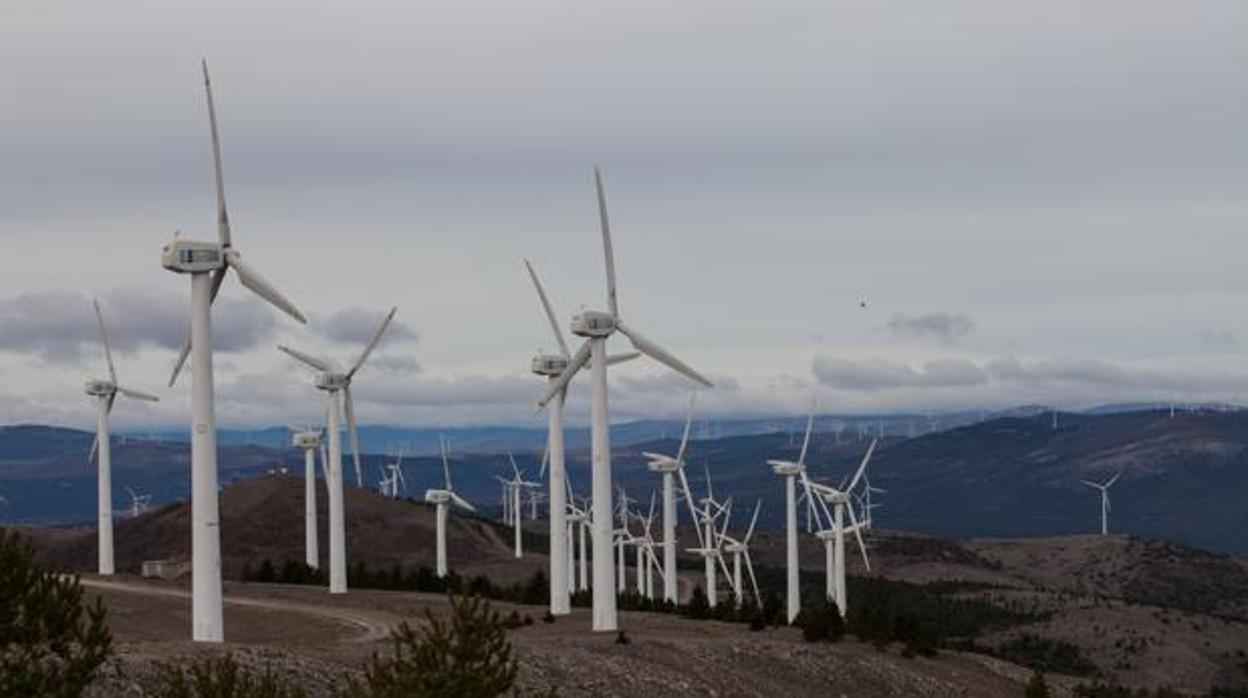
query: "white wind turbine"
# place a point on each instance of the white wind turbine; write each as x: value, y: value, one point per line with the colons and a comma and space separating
x: 740, y: 549
x: 139, y: 503
x: 671, y: 467
x: 790, y: 471
x: 336, y: 383
x: 834, y: 535
x: 596, y: 327
x: 514, y: 511
x: 711, y: 540
x: 207, y: 262
x: 645, y: 555
x: 396, y: 481
x: 1104, y: 488
x: 105, y: 391
x: 310, y: 442
x: 622, y: 537
x: 579, y: 519
x: 551, y: 366
x: 440, y: 499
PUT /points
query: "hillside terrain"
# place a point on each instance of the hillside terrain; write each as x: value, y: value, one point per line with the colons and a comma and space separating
x: 1184, y: 477
x: 1137, y: 611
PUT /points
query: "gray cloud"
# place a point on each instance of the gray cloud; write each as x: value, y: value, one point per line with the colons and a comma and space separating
x: 1070, y: 376
x: 357, y: 325
x: 1218, y: 339
x: 881, y: 374
x: 945, y: 327
x: 60, y: 326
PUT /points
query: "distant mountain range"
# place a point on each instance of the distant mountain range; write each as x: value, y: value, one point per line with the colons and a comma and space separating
x: 1185, y: 477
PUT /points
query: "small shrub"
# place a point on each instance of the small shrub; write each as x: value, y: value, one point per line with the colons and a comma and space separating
x: 1037, y: 687
x: 51, y: 643
x: 821, y: 622
x: 621, y: 638
x: 222, y: 677
x: 468, y: 655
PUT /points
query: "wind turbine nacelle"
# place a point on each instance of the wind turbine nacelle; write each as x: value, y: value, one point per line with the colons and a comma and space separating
x: 100, y: 388
x: 437, y: 496
x: 307, y: 440
x: 593, y: 323
x: 663, y: 465
x: 192, y: 256
x: 785, y: 468
x: 549, y: 364
x: 331, y: 381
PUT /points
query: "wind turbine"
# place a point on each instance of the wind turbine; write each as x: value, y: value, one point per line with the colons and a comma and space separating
x: 138, y: 503
x: 670, y: 467
x: 596, y: 327
x: 834, y: 536
x: 397, y: 482
x: 207, y: 262
x: 1104, y: 488
x: 335, y: 382
x: 790, y: 470
x: 105, y: 391
x: 512, y: 490
x: 711, y: 541
x: 440, y: 498
x: 740, y: 549
x: 622, y: 537
x: 551, y: 366
x: 310, y: 442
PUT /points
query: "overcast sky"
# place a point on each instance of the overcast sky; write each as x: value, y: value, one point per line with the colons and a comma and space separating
x: 1038, y: 202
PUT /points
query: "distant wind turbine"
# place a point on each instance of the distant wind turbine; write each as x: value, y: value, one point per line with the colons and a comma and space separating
x: 1104, y: 488
x: 105, y: 392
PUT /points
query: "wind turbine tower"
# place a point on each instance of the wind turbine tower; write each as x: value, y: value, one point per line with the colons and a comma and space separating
x: 207, y: 262
x: 336, y: 383
x: 310, y: 442
x: 105, y: 392
x: 790, y: 471
x: 1104, y: 488
x: 596, y: 327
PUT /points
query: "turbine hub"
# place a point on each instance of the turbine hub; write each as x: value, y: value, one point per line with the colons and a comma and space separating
x: 593, y: 323
x: 786, y: 469
x: 549, y: 364
x: 192, y: 256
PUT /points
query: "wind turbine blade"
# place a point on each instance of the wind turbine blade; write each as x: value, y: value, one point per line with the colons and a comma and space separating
x: 858, y: 535
x: 462, y: 502
x: 137, y: 394
x: 218, y: 277
x: 108, y: 352
x: 514, y: 468
x: 108, y: 407
x: 1091, y: 484
x: 749, y: 532
x: 550, y: 311
x: 261, y: 286
x: 663, y: 356
x: 607, y: 252
x: 223, y: 219
x: 749, y: 567
x: 324, y: 463
x: 95, y: 446
x: 349, y: 404
x: 684, y: 439
x: 545, y: 459
x: 371, y: 345
x: 622, y: 358
x: 693, y: 512
x: 863, y: 467
x: 1113, y: 479
x: 318, y: 364
x: 561, y: 382
x: 446, y: 466
x: 710, y: 492
x: 810, y: 425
